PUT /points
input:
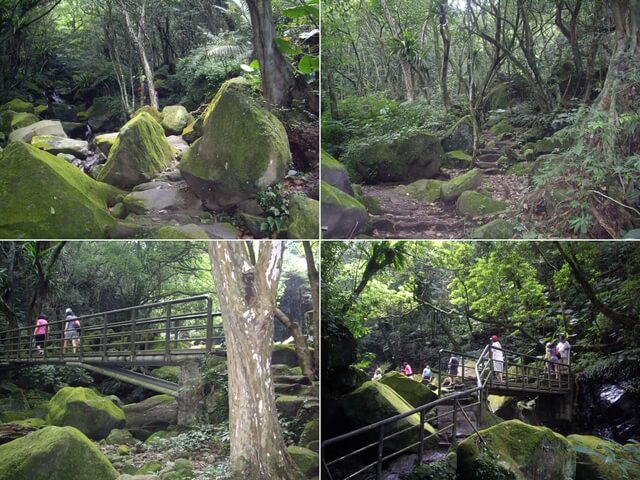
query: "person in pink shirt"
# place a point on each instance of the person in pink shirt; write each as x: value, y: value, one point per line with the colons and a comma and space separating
x: 40, y: 332
x: 406, y: 369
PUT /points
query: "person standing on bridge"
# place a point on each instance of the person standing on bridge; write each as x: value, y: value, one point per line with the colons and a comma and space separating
x: 71, y: 331
x: 452, y: 367
x: 564, y: 352
x: 40, y: 333
x: 498, y: 357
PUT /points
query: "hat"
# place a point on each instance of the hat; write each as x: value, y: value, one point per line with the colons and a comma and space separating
x: 494, y: 338
x: 68, y: 310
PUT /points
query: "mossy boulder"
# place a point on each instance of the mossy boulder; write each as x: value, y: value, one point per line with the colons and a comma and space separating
x: 460, y: 136
x: 284, y: 354
x: 50, y: 198
x: 372, y: 204
x: 55, y: 145
x: 495, y: 229
x: 175, y: 119
x: 19, y: 106
x: 140, y: 151
x: 304, y: 217
x: 157, y: 116
x: 243, y: 149
x: 84, y: 409
x: 335, y: 173
x: 521, y: 169
x: 415, y: 393
x: 600, y: 459
x: 375, y: 401
x: 310, y: 436
x: 193, y: 131
x: 54, y: 453
x: 151, y: 415
x: 342, y: 215
x: 529, y: 155
x: 457, y: 159
x: 102, y: 116
x: 119, y: 436
x: 472, y: 204
x: 21, y: 120
x: 549, y: 144
x: 417, y: 156
x: 170, y: 373
x: 452, y: 189
x: 427, y: 191
x: 502, y: 127
x: 105, y: 142
x: 44, y: 127
x: 5, y: 120
x: 526, y: 451
x: 307, y: 461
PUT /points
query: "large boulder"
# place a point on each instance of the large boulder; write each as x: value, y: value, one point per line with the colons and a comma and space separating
x: 472, y: 204
x: 342, y: 215
x: 306, y: 460
x: 175, y: 119
x: 427, y: 191
x: 21, y: 120
x: 140, y: 151
x: 44, y: 127
x: 304, y: 217
x: 105, y: 142
x: 18, y: 105
x: 397, y: 160
x: 54, y: 453
x: 160, y: 196
x: 151, y: 415
x: 524, y: 450
x: 459, y: 136
x: 243, y: 149
x: 452, y: 189
x: 102, y: 116
x: 193, y: 131
x: 498, y: 228
x: 375, y: 401
x: 600, y: 459
x: 50, y: 198
x: 335, y: 173
x: 414, y: 393
x: 55, y: 145
x: 84, y: 409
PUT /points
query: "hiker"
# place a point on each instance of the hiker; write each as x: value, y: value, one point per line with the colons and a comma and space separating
x: 551, y: 357
x: 406, y: 369
x: 453, y: 370
x: 564, y: 353
x: 40, y: 333
x: 426, y: 375
x: 71, y: 331
x: 377, y: 374
x: 498, y: 357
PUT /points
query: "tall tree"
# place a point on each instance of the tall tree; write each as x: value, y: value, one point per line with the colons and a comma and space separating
x: 44, y: 256
x: 246, y: 277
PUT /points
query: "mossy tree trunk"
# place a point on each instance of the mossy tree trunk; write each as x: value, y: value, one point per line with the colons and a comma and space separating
x: 246, y: 277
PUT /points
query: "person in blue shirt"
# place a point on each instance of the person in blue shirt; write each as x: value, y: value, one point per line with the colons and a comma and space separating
x: 426, y: 375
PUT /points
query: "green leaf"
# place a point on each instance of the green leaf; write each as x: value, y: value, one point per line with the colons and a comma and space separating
x: 302, y: 11
x: 255, y: 64
x: 285, y: 46
x: 309, y: 64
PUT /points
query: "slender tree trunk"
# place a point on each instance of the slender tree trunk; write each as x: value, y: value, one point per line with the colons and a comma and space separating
x: 446, y: 47
x: 314, y: 285
x: 247, y: 284
x: 405, y: 66
x: 277, y: 76
x: 300, y: 342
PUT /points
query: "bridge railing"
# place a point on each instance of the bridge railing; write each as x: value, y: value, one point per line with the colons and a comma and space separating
x: 367, y: 447
x: 183, y: 326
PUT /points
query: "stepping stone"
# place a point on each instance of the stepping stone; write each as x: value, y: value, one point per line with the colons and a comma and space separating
x: 489, y: 157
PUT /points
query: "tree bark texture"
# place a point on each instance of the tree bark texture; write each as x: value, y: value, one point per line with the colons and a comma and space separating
x: 314, y: 286
x: 300, y: 342
x: 246, y: 284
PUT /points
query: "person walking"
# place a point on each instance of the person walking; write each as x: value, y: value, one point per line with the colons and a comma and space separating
x: 426, y: 375
x: 551, y: 358
x: 407, y: 370
x: 40, y: 333
x: 452, y: 367
x: 497, y: 356
x: 71, y: 331
x: 564, y: 353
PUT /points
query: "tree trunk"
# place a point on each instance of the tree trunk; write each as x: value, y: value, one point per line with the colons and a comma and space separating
x: 247, y: 284
x: 277, y: 76
x: 45, y: 256
x: 446, y: 47
x: 314, y: 285
x: 300, y: 342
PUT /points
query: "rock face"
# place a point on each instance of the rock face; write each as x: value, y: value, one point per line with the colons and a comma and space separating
x: 193, y: 131
x: 161, y: 196
x: 55, y: 145
x: 174, y: 119
x: 101, y: 115
x: 44, y: 127
x: 452, y: 189
x: 374, y: 401
x: 335, y: 173
x: 306, y: 460
x: 20, y: 120
x: 600, y: 459
x: 304, y: 221
x: 140, y: 151
x: 472, y: 204
x: 418, y: 156
x: 54, y: 453
x: 105, y: 142
x: 82, y: 408
x: 49, y: 197
x: 243, y: 148
x: 342, y: 215
x: 459, y: 136
x: 526, y: 451
x: 414, y: 393
x: 151, y: 415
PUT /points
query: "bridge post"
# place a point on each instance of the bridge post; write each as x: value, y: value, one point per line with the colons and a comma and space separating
x: 191, y: 394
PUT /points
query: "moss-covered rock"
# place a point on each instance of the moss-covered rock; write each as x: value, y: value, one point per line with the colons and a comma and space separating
x: 243, y: 149
x: 5, y: 120
x: 526, y: 451
x: 502, y: 127
x: 460, y: 136
x: 140, y: 151
x: 307, y: 461
x: 54, y: 453
x: 600, y: 459
x: 550, y: 144
x: 415, y: 393
x: 105, y: 142
x: 375, y: 401
x: 43, y: 127
x: 417, y: 156
x: 342, y: 215
x: 452, y: 189
x: 102, y: 116
x: 499, y: 96
x: 457, y: 159
x: 21, y: 120
x: 311, y: 434
x: 193, y: 131
x: 335, y: 173
x: 55, y: 145
x: 175, y: 119
x: 304, y: 217
x: 472, y: 204
x: 427, y: 191
x: 495, y: 229
x: 284, y: 354
x: 170, y: 373
x: 119, y: 436
x: 50, y: 197
x: 84, y: 409
x: 157, y: 116
x: 372, y: 204
x: 19, y: 106
x: 521, y: 169
x: 151, y: 415
x: 529, y: 155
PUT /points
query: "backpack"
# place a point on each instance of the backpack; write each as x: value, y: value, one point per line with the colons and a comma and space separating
x: 76, y: 326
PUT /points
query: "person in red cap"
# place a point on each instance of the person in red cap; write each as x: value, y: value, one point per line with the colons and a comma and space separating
x: 498, y: 357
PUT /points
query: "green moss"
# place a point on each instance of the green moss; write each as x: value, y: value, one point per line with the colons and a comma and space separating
x: 157, y: 116
x: 119, y: 436
x: 18, y: 105
x: 175, y: 119
x: 54, y: 453
x: 463, y: 120
x: 371, y: 204
x: 50, y: 197
x: 459, y: 155
x: 332, y: 195
x: 472, y: 204
x: 31, y: 422
x: 306, y: 460
x: 169, y: 373
x: 193, y: 131
x: 529, y: 155
x: 520, y: 169
x: 499, y: 96
x: 311, y: 433
x: 495, y: 229
x: 40, y: 109
x: 413, y: 392
x: 105, y: 142
x: 304, y: 217
x: 503, y: 126
x: 327, y: 161
x: 427, y: 191
x: 21, y: 120
x: 600, y: 459
x: 5, y: 120
x: 157, y: 438
x: 452, y: 189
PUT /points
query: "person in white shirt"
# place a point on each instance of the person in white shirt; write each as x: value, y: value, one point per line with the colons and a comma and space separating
x: 564, y: 352
x: 498, y: 358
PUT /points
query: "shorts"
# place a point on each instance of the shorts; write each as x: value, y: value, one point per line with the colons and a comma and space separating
x: 71, y: 334
x: 498, y: 366
x: 40, y: 340
x: 453, y: 371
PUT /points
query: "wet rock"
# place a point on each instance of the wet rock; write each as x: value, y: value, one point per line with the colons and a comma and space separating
x: 428, y: 191
x: 18, y: 105
x: 496, y: 229
x: 106, y: 141
x: 20, y: 120
x: 306, y: 460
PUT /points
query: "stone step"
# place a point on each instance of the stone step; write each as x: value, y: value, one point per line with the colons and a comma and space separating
x: 484, y: 164
x: 292, y: 389
x: 290, y: 379
x: 489, y: 157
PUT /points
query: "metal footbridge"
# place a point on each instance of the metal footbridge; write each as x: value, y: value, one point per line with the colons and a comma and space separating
x: 150, y: 335
x: 457, y: 413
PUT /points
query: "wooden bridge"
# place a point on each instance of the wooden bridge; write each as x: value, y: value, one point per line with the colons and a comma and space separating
x: 458, y: 412
x: 152, y: 335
